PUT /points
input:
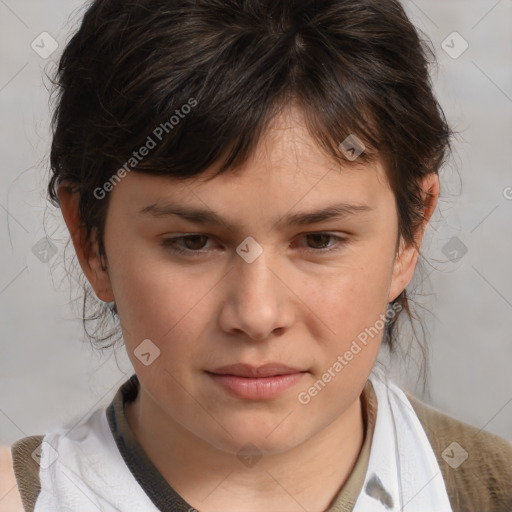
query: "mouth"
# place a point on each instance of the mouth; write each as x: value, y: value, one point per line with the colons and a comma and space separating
x: 256, y: 382
x: 249, y: 371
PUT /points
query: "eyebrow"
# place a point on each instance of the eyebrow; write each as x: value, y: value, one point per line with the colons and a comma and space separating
x: 205, y: 216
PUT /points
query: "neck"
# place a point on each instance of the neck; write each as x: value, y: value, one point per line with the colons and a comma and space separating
x: 309, y: 476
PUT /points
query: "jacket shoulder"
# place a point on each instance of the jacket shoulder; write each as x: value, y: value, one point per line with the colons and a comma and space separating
x: 24, y: 453
x: 476, y: 464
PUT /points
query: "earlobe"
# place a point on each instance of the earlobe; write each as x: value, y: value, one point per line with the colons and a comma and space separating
x: 86, y: 249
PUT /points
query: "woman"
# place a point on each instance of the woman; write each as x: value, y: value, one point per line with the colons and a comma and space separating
x: 247, y: 185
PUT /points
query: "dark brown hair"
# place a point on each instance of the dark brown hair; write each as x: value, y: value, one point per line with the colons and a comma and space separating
x: 352, y: 66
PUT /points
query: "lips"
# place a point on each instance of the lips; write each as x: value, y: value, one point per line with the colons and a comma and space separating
x: 249, y: 371
x: 264, y: 382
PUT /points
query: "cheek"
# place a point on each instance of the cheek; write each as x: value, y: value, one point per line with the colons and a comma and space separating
x: 154, y: 299
x: 350, y: 306
x: 350, y: 297
x: 353, y: 309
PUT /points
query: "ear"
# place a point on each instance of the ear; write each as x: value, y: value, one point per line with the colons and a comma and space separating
x: 86, y: 250
x: 407, y: 257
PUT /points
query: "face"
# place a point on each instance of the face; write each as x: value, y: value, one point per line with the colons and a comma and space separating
x: 259, y: 287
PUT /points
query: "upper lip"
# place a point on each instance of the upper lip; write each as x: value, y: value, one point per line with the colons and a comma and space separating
x: 247, y: 370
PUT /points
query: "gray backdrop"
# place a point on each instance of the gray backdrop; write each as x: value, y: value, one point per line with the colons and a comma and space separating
x: 48, y: 373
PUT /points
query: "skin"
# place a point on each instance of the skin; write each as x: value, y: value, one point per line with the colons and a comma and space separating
x: 294, y: 304
x: 10, y: 499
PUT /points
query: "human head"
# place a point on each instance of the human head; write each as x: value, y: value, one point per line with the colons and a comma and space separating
x: 213, y: 74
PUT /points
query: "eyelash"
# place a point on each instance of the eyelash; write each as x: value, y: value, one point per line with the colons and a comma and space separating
x: 169, y: 243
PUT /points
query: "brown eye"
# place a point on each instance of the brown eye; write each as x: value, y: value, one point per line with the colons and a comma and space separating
x: 319, y: 243
x: 188, y: 244
x: 195, y: 242
x: 320, y: 240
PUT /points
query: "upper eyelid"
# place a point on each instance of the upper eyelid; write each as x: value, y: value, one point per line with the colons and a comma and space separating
x: 339, y: 238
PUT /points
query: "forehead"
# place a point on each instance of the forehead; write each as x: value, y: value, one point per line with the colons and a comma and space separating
x: 287, y: 167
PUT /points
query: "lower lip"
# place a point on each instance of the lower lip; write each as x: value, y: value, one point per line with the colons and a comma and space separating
x: 260, y: 388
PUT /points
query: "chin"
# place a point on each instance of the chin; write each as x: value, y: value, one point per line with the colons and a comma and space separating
x: 259, y: 437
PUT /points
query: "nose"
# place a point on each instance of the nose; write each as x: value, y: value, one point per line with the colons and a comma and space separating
x: 258, y: 302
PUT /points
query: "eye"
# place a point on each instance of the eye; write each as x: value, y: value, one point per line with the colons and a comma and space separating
x: 193, y: 244
x: 322, y: 239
